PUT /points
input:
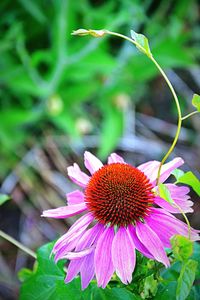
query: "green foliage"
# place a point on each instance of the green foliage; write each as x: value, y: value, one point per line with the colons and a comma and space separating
x: 142, y: 41
x: 182, y: 247
x: 190, y: 179
x: 46, y: 281
x: 3, y: 198
x: 186, y: 279
x: 150, y: 279
x: 196, y: 101
x: 49, y: 78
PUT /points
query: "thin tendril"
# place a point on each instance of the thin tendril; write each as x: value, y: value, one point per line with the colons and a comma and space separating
x: 190, y: 114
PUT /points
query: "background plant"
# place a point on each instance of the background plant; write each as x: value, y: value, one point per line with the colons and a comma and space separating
x: 54, y: 84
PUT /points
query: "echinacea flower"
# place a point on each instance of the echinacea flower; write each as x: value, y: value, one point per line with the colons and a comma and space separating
x: 122, y: 214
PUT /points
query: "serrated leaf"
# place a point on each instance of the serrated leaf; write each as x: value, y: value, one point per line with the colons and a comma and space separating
x: 190, y: 179
x: 165, y: 193
x: 196, y: 101
x: 177, y: 173
x: 3, y: 198
x: 182, y: 247
x: 186, y: 279
x: 142, y: 41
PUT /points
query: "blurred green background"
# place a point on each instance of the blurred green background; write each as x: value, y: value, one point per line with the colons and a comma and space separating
x: 55, y: 83
x: 61, y: 94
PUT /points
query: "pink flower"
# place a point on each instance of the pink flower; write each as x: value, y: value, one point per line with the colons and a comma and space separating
x: 122, y: 215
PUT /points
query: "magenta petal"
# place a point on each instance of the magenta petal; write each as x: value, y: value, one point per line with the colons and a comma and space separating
x: 186, y: 207
x: 150, y: 169
x: 163, y: 222
x: 87, y: 270
x: 79, y: 254
x: 59, y: 254
x: 92, y: 163
x: 115, y: 158
x: 138, y: 245
x: 74, y: 232
x: 152, y: 242
x: 77, y: 176
x: 73, y: 269
x: 123, y: 255
x: 65, y: 211
x: 75, y: 197
x: 102, y: 260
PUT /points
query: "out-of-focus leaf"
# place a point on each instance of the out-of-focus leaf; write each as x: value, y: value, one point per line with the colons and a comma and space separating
x: 196, y: 101
x: 190, y: 179
x: 182, y: 247
x: 33, y: 8
x: 3, y: 198
x: 111, y: 131
x: 186, y: 279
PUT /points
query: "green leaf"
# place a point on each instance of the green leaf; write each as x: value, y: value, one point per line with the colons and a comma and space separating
x: 150, y: 287
x: 165, y: 193
x: 196, y: 101
x: 186, y: 279
x: 24, y: 274
x: 182, y: 247
x: 166, y: 291
x: 46, y: 282
x: 142, y: 41
x: 177, y: 173
x: 3, y: 198
x: 190, y: 179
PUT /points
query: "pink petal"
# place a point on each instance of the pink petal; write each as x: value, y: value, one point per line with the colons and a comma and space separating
x: 65, y: 211
x: 102, y: 260
x: 150, y: 169
x: 73, y: 269
x: 59, y: 254
x: 186, y: 207
x: 77, y: 176
x: 177, y: 191
x: 163, y: 222
x: 115, y: 158
x: 123, y: 255
x: 75, y: 197
x: 88, y: 238
x: 74, y: 232
x: 152, y: 242
x: 77, y: 255
x: 92, y: 163
x: 138, y: 245
x: 87, y: 270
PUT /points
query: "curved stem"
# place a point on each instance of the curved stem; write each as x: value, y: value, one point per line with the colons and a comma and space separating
x: 171, y: 89
x: 185, y: 217
x: 190, y: 114
x: 18, y: 244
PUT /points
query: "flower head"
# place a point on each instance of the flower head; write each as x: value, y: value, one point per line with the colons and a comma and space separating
x: 122, y: 214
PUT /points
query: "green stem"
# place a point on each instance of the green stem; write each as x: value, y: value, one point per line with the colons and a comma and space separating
x: 186, y: 219
x: 190, y: 114
x: 171, y: 89
x: 18, y: 244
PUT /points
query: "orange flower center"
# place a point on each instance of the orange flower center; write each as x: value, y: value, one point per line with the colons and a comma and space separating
x: 119, y: 194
